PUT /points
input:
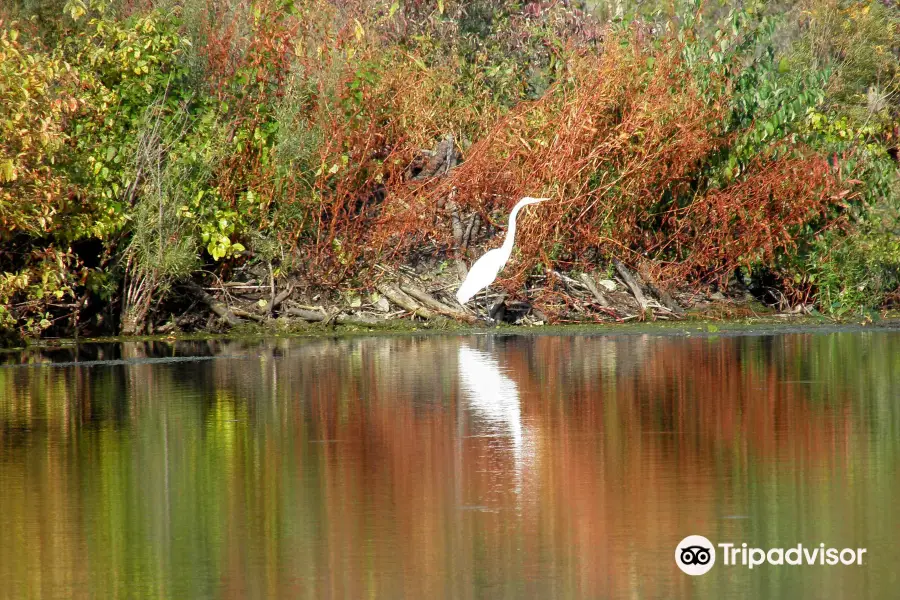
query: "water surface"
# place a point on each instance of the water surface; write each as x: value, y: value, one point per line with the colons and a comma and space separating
x: 448, y: 467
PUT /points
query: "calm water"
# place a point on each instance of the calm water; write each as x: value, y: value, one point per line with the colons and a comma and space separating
x: 448, y: 467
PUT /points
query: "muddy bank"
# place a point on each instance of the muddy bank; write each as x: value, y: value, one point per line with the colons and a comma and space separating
x: 254, y: 301
x: 189, y: 346
x: 707, y: 318
x: 423, y: 298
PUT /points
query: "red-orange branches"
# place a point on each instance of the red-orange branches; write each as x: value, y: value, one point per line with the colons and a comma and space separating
x: 383, y: 111
x: 620, y: 145
x: 605, y: 143
x: 248, y: 44
x: 753, y: 219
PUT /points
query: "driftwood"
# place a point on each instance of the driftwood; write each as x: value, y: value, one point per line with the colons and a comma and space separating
x: 632, y: 284
x: 433, y: 303
x: 239, y: 285
x: 662, y: 295
x: 599, y: 296
x: 284, y: 295
x: 214, y: 305
x: 342, y: 319
x: 404, y: 301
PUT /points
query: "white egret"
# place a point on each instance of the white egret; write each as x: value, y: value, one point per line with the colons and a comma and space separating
x: 485, y: 270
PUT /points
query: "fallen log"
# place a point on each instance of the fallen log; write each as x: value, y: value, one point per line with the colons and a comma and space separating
x: 404, y: 301
x: 220, y: 309
x: 632, y: 284
x: 433, y: 303
x: 594, y: 290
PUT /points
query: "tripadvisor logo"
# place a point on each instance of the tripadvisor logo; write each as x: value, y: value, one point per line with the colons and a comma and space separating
x: 696, y: 555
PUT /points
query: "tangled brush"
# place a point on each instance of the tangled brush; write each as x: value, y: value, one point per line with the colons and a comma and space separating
x: 622, y: 144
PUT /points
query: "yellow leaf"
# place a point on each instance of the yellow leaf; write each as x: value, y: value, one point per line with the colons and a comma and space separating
x: 8, y: 170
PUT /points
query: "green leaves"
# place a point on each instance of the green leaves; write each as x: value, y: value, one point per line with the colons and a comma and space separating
x: 220, y: 246
x: 75, y: 9
x: 216, y: 225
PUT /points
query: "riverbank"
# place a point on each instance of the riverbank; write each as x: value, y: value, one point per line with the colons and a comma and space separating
x: 693, y: 326
x: 421, y: 300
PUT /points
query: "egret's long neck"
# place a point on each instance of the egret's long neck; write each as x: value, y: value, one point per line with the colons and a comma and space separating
x: 511, y: 231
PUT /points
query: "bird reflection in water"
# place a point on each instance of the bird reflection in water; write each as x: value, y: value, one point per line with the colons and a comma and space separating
x: 495, y: 398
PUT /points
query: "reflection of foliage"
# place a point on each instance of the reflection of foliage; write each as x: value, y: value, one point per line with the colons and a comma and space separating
x: 194, y: 477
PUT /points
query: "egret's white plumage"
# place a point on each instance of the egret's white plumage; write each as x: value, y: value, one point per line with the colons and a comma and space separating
x: 485, y: 270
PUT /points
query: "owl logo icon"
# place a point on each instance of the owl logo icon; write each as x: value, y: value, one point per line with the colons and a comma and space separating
x: 695, y: 555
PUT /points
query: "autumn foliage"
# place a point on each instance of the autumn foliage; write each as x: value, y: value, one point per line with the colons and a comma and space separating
x: 621, y: 145
x: 289, y: 136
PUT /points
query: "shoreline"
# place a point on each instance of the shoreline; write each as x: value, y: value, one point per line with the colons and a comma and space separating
x: 700, y: 327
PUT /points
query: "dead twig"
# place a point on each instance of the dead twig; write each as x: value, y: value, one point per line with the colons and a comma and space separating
x: 221, y: 310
